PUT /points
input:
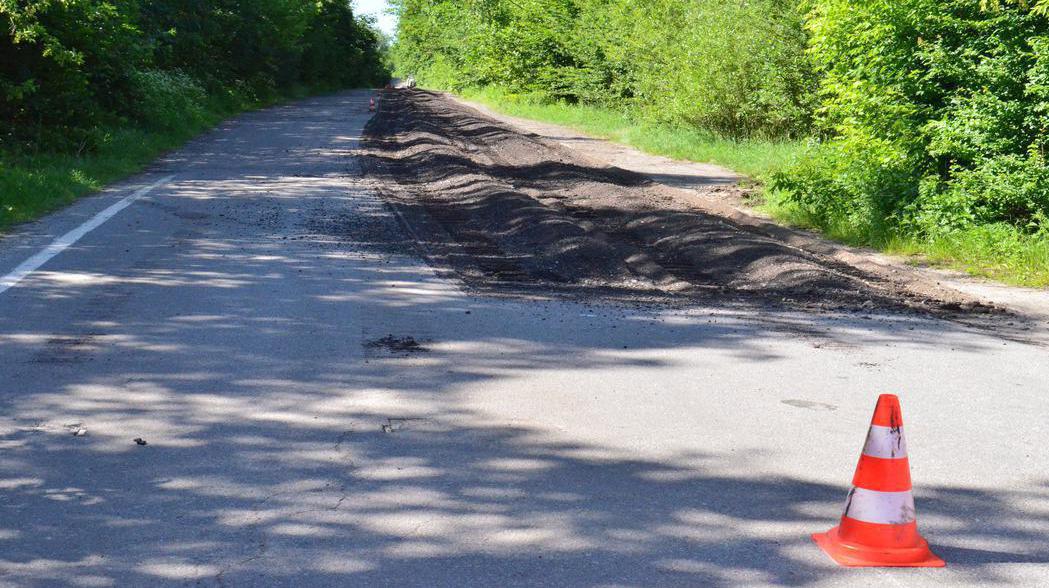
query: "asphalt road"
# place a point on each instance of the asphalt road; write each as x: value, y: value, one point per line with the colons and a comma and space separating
x: 252, y: 319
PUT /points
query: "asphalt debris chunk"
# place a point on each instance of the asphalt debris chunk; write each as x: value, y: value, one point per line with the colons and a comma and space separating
x: 392, y: 344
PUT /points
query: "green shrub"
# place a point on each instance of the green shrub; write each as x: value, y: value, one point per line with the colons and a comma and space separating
x: 735, y: 69
x: 63, y: 69
x: 70, y: 67
x: 738, y: 69
x: 167, y: 100
x: 935, y: 113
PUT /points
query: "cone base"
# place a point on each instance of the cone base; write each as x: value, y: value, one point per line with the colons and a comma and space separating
x: 853, y: 556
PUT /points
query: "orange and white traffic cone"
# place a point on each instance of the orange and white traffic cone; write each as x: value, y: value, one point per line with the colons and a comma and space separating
x: 879, y: 527
x: 371, y: 105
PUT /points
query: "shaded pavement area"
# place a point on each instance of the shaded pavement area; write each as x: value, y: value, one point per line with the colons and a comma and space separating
x: 321, y: 408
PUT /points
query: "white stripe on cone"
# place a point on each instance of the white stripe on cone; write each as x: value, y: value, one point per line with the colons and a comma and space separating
x: 885, y: 442
x: 884, y: 508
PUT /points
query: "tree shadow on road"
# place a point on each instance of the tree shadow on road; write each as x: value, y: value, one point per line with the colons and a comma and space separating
x: 259, y: 502
x: 268, y: 464
x: 282, y: 449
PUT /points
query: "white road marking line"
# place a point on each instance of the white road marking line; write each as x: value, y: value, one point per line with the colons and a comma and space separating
x: 60, y: 244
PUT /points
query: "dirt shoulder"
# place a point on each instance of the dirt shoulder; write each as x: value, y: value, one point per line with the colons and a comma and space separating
x: 512, y: 212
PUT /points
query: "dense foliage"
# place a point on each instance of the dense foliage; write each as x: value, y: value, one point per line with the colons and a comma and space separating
x: 928, y: 119
x: 70, y: 70
x: 737, y: 69
x: 936, y: 114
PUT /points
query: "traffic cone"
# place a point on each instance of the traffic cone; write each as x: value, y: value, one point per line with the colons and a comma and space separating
x: 371, y: 105
x: 879, y: 527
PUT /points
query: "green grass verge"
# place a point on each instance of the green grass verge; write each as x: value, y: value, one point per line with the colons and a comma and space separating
x: 755, y: 159
x: 999, y: 252
x: 32, y: 185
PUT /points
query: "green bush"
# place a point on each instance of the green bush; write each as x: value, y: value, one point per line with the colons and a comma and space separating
x: 736, y: 69
x: 63, y: 69
x: 71, y: 67
x: 167, y: 100
x: 92, y: 90
x: 934, y: 114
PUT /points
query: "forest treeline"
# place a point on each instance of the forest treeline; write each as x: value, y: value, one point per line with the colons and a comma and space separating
x: 736, y: 68
x: 923, y: 118
x: 73, y: 70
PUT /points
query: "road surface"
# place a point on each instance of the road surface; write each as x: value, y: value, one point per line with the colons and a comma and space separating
x: 320, y: 407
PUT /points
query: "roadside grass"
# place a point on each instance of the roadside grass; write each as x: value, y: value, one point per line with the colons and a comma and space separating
x: 756, y: 159
x: 34, y: 184
x: 998, y: 252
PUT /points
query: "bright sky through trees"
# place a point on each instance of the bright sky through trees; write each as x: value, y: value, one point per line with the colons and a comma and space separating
x: 377, y: 8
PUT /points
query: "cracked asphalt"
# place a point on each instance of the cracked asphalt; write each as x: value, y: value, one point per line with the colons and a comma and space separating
x: 322, y: 408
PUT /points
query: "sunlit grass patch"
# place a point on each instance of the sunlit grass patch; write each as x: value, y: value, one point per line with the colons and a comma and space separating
x: 34, y: 184
x: 997, y: 251
x: 756, y: 159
